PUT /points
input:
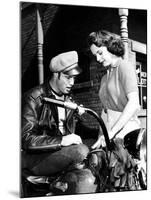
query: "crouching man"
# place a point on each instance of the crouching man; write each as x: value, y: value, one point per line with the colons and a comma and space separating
x: 50, y: 142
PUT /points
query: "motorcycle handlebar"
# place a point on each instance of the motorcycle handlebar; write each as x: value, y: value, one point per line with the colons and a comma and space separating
x: 65, y: 104
x: 74, y: 106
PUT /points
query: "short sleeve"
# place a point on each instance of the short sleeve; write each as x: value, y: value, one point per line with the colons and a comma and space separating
x: 127, y: 75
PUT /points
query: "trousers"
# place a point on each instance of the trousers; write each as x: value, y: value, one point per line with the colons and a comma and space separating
x: 50, y: 163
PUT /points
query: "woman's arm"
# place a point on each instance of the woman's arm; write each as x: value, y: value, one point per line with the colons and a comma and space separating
x: 129, y: 111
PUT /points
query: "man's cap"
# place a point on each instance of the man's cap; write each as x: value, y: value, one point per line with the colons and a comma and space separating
x: 65, y: 62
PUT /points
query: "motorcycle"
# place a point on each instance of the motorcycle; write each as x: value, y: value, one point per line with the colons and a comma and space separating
x: 119, y: 166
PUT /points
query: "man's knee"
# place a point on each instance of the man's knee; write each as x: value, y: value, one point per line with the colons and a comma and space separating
x: 81, y: 152
x: 83, y: 149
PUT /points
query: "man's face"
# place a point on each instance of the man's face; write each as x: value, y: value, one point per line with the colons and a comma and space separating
x: 64, y: 83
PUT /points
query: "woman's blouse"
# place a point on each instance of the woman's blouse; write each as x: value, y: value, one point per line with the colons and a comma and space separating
x: 116, y: 84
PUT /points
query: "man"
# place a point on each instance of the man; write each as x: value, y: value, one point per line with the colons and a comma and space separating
x: 49, y: 142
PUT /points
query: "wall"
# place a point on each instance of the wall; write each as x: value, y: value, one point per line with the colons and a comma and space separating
x: 66, y: 28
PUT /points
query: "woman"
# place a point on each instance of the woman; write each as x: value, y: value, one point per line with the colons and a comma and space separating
x: 118, y: 90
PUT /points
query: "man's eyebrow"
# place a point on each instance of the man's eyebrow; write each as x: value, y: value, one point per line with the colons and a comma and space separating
x: 70, y: 76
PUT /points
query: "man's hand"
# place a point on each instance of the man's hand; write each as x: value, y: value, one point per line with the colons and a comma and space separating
x: 99, y: 143
x: 71, y: 139
x: 81, y: 110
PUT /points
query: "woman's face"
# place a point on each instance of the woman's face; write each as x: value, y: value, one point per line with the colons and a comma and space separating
x: 102, y: 55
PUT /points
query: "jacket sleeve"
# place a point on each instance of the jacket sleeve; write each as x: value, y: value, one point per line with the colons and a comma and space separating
x: 33, y: 137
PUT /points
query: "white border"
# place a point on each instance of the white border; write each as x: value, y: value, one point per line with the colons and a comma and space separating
x: 10, y: 93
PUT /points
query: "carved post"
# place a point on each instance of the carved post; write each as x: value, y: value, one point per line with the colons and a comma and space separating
x: 40, y: 49
x: 123, y: 13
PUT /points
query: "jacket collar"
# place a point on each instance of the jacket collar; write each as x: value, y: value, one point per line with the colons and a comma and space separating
x: 49, y: 92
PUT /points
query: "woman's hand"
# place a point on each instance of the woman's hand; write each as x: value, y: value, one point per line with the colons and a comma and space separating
x: 111, y: 134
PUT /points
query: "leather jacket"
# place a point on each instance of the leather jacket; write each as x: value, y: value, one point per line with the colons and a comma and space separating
x: 40, y: 120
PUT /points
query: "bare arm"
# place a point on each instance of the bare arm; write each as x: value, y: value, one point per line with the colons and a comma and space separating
x: 130, y: 109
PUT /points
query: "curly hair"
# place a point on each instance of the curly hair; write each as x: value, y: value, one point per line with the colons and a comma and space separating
x: 113, y: 42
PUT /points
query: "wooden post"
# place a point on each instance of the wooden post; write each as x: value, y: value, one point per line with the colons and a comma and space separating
x: 123, y: 13
x: 40, y: 49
